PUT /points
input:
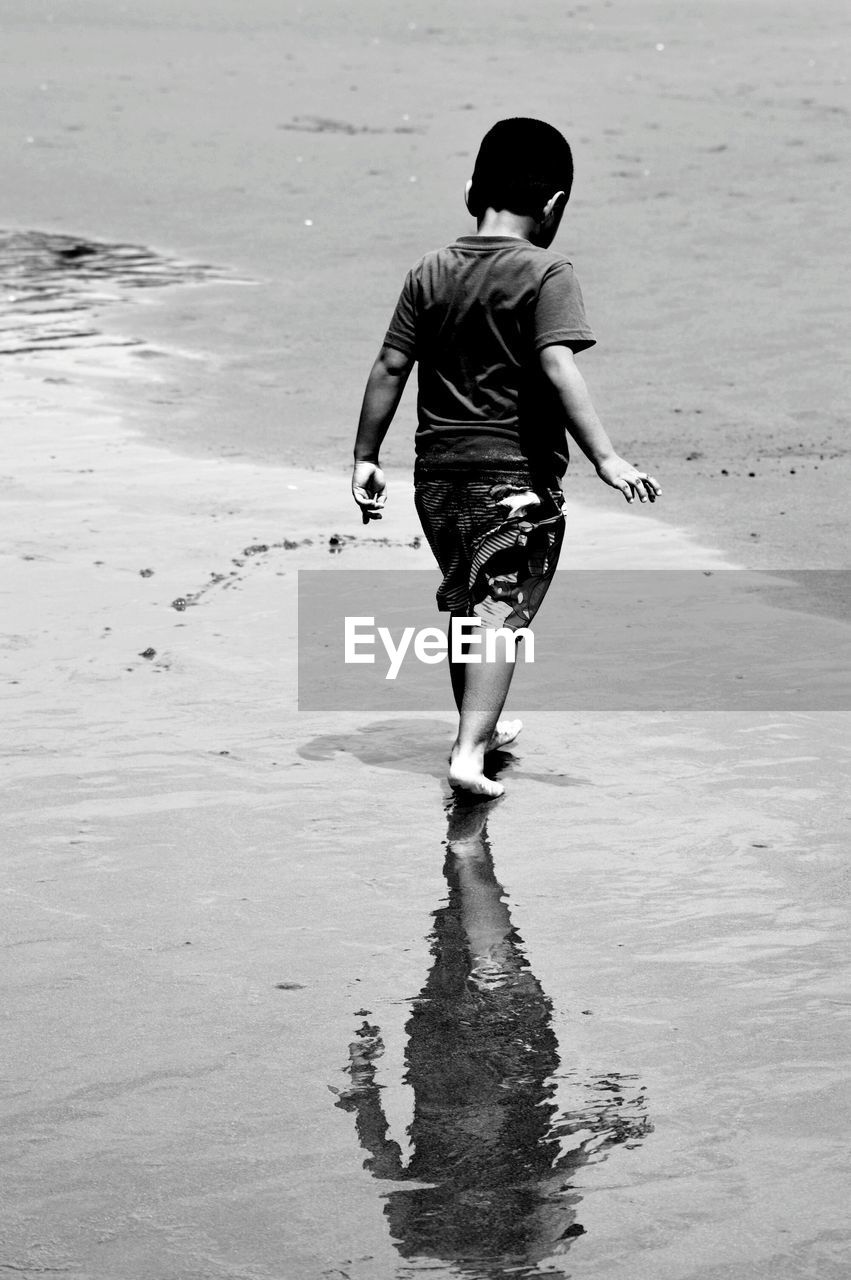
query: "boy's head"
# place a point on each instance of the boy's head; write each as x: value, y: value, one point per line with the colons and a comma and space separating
x: 521, y: 165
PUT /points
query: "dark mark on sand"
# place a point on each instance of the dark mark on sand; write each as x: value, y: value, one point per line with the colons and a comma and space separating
x: 325, y: 124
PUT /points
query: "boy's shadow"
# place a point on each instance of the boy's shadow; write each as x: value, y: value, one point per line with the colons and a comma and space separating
x: 417, y: 746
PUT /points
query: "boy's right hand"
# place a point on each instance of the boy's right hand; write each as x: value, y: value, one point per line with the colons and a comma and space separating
x: 622, y: 475
x: 368, y: 489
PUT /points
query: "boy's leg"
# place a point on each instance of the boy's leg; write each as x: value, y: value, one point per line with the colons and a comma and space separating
x: 486, y: 686
x: 505, y: 731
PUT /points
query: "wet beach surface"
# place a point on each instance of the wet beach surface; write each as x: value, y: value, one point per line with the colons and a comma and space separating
x: 614, y: 1040
x: 277, y: 1008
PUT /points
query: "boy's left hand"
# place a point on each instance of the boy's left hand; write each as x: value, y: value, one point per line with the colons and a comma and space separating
x: 368, y: 489
x: 631, y: 482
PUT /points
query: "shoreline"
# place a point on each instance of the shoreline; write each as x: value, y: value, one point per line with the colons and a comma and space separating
x: 760, y: 505
x: 189, y: 568
x: 130, y: 528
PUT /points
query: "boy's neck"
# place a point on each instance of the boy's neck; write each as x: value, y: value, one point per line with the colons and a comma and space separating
x: 502, y: 222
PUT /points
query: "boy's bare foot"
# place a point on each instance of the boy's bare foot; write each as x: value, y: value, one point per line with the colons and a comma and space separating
x: 504, y: 734
x: 466, y: 774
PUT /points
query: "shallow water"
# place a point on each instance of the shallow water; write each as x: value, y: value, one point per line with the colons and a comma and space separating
x: 374, y: 1076
x: 55, y: 285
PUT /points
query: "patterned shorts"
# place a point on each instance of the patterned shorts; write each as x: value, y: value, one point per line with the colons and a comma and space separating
x: 497, y: 556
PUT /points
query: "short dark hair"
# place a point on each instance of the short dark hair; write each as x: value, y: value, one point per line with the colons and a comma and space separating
x: 520, y: 165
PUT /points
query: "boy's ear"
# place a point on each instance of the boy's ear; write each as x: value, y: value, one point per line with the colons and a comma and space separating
x: 468, y: 187
x: 555, y: 205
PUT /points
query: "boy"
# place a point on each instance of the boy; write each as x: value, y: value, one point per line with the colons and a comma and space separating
x: 494, y: 321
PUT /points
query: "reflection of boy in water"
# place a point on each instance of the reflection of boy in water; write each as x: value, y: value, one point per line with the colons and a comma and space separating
x: 481, y: 1059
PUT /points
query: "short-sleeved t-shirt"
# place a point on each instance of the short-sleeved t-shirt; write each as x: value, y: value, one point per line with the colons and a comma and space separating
x: 475, y: 315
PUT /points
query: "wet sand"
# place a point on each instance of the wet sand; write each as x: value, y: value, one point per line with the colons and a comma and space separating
x: 698, y: 959
x: 236, y: 933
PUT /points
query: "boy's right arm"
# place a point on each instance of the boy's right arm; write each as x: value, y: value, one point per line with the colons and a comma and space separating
x: 588, y: 431
x: 384, y: 388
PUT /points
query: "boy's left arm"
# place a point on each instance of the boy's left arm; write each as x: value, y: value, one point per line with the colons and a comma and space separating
x: 588, y: 431
x: 381, y: 398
